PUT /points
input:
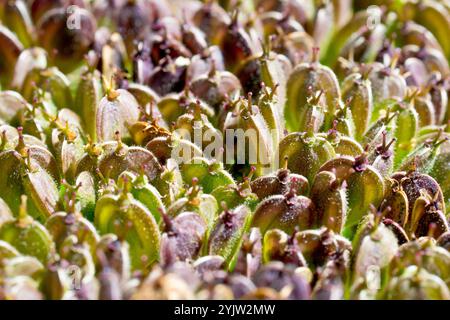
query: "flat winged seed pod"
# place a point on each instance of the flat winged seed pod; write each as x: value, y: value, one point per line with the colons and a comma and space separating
x: 224, y: 149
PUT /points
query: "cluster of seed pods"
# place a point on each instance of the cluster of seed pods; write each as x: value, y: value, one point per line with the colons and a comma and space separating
x: 348, y: 196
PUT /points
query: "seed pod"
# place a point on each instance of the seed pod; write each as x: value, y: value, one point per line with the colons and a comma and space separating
x: 382, y: 156
x: 213, y: 21
x: 330, y: 198
x: 431, y: 15
x: 397, y: 201
x: 118, y: 157
x: 248, y: 121
x: 285, y: 212
x: 215, y: 87
x: 57, y: 29
x: 62, y: 225
x: 249, y: 257
x: 182, y: 238
x: 356, y: 87
x: 25, y: 173
x: 170, y: 183
x: 115, y: 253
x: 123, y: 214
x: 308, y: 77
x: 305, y: 153
x: 193, y: 38
x: 416, y: 283
x: 444, y: 241
x: 195, y: 126
x: 169, y: 76
x: 387, y: 82
x: 114, y: 58
x: 274, y: 275
x: 28, y: 60
x: 441, y: 166
x: 279, y: 182
x: 88, y: 97
x: 12, y: 105
x: 226, y: 237
x: 27, y: 235
x: 374, y: 245
x: 9, y: 53
x: 117, y: 111
x: 196, y: 201
x: 173, y: 106
x: 319, y: 246
x: 210, y: 174
x: 321, y: 27
x: 144, y: 192
x: 234, y: 195
x: 166, y: 147
x: 365, y: 185
x: 428, y: 213
x: 278, y: 246
x: 133, y: 22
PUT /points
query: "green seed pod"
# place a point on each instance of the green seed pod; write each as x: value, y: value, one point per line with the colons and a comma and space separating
x: 342, y: 144
x: 196, y: 201
x: 417, y: 284
x: 364, y: 184
x: 88, y: 96
x: 440, y: 168
x: 144, y: 192
x: 134, y: 221
x: 285, y: 212
x: 226, y: 237
x: 304, y: 78
x: 305, y: 154
x: 423, y: 157
x: 28, y: 236
x: 210, y: 174
x: 320, y: 246
x: 357, y: 88
x: 234, y: 195
x: 25, y: 173
x: 18, y: 20
x: 170, y: 183
x: 23, y: 266
x: 405, y: 132
x: 330, y: 198
x: 278, y: 246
